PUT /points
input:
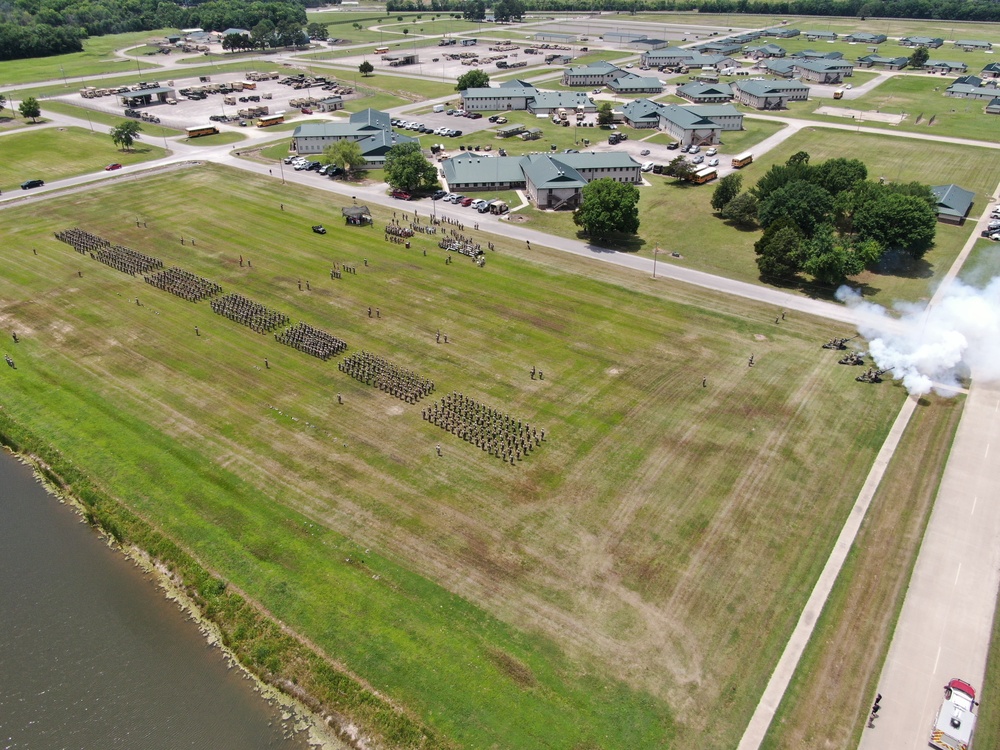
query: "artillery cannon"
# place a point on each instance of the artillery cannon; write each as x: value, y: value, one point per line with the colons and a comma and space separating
x: 10, y: 362
x: 854, y: 358
x: 871, y: 375
x: 838, y: 343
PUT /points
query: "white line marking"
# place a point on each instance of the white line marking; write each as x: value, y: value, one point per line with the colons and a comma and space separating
x: 958, y: 573
x: 997, y: 406
x: 987, y: 450
x: 936, y: 659
x: 974, y: 501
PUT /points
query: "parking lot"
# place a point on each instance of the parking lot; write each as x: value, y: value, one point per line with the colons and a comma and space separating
x: 188, y: 112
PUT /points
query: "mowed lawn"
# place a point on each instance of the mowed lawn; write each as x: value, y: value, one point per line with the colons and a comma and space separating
x: 97, y: 58
x: 679, y: 217
x: 56, y: 153
x: 658, y: 546
x: 921, y: 98
x: 149, y: 130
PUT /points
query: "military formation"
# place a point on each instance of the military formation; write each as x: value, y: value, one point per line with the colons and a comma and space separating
x: 397, y: 381
x: 82, y: 241
x: 854, y: 358
x: 871, y: 375
x: 496, y: 433
x: 246, y: 312
x: 183, y: 284
x: 838, y: 343
x: 312, y: 341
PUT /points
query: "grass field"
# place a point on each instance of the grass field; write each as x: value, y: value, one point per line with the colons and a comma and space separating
x: 890, y: 48
x: 657, y: 548
x: 97, y: 58
x: 56, y: 153
x: 827, y: 703
x: 679, y: 217
x: 103, y: 118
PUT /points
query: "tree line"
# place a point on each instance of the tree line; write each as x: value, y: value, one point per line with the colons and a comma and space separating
x: 55, y: 27
x: 955, y: 10
x: 828, y: 220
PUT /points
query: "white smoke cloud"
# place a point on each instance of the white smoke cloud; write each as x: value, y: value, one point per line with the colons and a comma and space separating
x: 932, y: 347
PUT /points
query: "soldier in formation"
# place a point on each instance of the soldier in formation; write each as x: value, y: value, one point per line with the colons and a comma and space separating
x: 311, y: 340
x: 82, y: 241
x: 249, y: 313
x: 183, y: 284
x: 496, y: 433
x: 384, y: 375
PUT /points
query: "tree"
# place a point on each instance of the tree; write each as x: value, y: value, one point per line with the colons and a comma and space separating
x: 680, y: 168
x: 345, y: 154
x: 605, y: 116
x: 803, y: 203
x: 29, y: 108
x: 779, y: 251
x: 405, y: 32
x: 919, y: 58
x: 780, y: 175
x: 727, y: 189
x: 475, y: 10
x: 406, y: 168
x: 317, y: 31
x: 798, y: 158
x: 741, y: 210
x: 837, y: 175
x: 474, y: 79
x: 897, y: 221
x: 608, y: 207
x: 366, y: 68
x: 263, y: 33
x: 826, y: 259
x: 125, y: 134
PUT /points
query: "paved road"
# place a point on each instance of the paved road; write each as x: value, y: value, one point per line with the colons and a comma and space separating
x: 945, y: 625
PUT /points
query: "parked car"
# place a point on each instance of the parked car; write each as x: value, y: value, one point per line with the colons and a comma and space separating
x: 644, y: 152
x: 28, y: 184
x: 306, y: 111
x: 596, y: 91
x: 713, y: 162
x: 493, y: 118
x: 477, y: 203
x: 647, y: 167
x: 712, y: 151
x: 438, y: 195
x: 457, y: 198
x: 401, y: 195
x: 466, y: 202
x: 698, y: 159
x: 112, y: 167
x: 501, y: 120
x: 476, y: 116
x: 673, y: 146
x: 319, y: 229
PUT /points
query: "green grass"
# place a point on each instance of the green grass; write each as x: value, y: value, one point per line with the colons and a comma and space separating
x: 552, y: 135
x: 826, y: 705
x: 103, y: 118
x: 218, y: 139
x: 97, y: 58
x: 689, y: 227
x: 982, y: 265
x: 923, y: 97
x: 988, y: 723
x: 656, y: 538
x: 56, y: 153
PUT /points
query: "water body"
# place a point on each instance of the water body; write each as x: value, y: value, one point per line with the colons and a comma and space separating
x: 93, y: 656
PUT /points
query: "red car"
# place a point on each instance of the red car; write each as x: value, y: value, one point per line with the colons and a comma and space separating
x: 112, y: 166
x: 306, y: 111
x: 467, y: 202
x: 401, y: 195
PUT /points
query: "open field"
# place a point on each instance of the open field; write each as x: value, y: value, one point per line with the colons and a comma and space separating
x: 679, y: 218
x: 828, y: 700
x: 890, y: 48
x: 97, y: 57
x: 982, y: 264
x: 103, y: 118
x: 630, y: 584
x: 53, y: 154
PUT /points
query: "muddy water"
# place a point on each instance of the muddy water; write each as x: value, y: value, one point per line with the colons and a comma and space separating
x: 93, y: 656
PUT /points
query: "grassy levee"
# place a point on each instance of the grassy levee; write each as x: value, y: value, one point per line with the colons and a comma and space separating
x: 658, y: 545
x: 54, y: 154
x: 260, y: 644
x: 826, y: 705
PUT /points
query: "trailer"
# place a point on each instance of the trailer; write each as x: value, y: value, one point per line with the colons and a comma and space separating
x: 955, y: 721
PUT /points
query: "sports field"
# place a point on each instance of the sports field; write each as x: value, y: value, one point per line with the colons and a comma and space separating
x: 629, y: 584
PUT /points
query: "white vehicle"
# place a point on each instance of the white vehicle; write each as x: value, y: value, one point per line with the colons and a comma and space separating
x: 694, y: 149
x: 698, y: 159
x: 647, y: 167
x: 439, y: 108
x: 713, y: 162
x: 712, y: 151
x: 955, y: 721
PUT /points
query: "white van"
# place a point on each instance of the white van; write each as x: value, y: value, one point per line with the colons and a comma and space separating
x: 647, y: 167
x: 439, y: 108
